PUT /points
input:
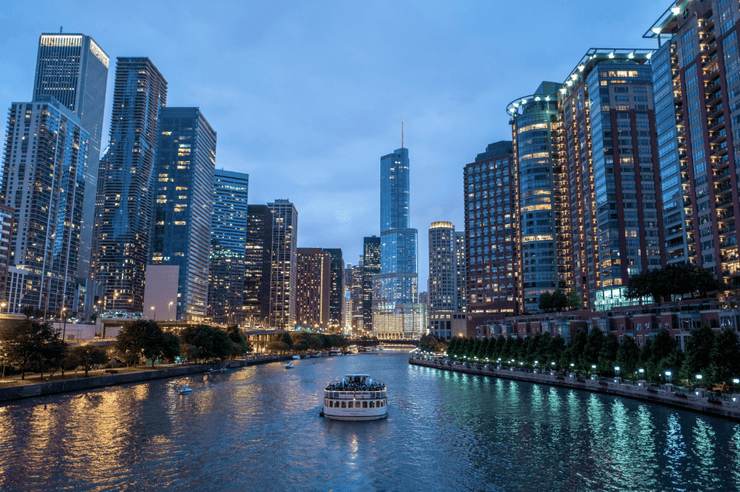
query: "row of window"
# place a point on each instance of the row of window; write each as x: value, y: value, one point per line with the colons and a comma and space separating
x: 353, y: 404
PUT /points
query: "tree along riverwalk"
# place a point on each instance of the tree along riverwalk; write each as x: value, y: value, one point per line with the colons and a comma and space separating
x: 697, y: 400
x: 92, y: 382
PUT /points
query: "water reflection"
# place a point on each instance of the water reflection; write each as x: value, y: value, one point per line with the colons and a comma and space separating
x: 258, y: 428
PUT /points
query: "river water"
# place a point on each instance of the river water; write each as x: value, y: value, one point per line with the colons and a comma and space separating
x: 258, y: 428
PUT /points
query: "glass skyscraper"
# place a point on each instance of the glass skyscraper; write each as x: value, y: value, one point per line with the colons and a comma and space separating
x: 183, y: 204
x: 257, y: 264
x: 398, y: 280
x: 123, y: 218
x: 284, y: 274
x: 228, y: 246
x: 370, y: 268
x: 74, y: 69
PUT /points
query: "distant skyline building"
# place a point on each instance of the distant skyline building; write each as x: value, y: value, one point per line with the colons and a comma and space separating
x: 353, y: 275
x: 228, y: 246
x: 73, y: 68
x: 336, y: 296
x: 695, y: 75
x: 123, y: 218
x: 43, y: 180
x: 257, y: 264
x: 461, y: 271
x: 445, y: 292
x: 183, y: 208
x: 313, y: 288
x: 6, y: 236
x: 370, y: 268
x: 491, y: 227
x: 284, y: 272
x: 397, y: 282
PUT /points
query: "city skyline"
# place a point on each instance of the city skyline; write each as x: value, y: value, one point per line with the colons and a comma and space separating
x: 328, y: 106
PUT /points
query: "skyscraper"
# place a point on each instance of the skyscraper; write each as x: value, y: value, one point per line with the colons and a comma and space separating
x: 336, y: 295
x: 123, y: 220
x: 397, y: 281
x: 370, y: 268
x: 74, y: 69
x: 491, y: 227
x: 313, y: 288
x: 228, y: 246
x: 284, y: 264
x: 181, y: 232
x: 257, y: 264
x: 445, y: 289
x: 697, y: 112
x: 44, y: 169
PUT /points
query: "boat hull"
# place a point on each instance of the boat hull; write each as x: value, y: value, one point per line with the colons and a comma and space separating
x: 359, y: 414
x: 355, y: 418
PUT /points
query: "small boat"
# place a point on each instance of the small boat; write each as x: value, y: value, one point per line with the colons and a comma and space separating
x: 297, y: 357
x: 289, y: 365
x: 355, y: 397
x: 184, y: 390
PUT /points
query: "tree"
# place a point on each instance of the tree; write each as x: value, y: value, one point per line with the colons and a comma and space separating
x: 170, y: 346
x: 545, y: 304
x: 725, y: 357
x: 142, y: 338
x: 53, y: 353
x: 628, y: 355
x: 573, y: 301
x: 559, y: 300
x: 594, y: 343
x: 429, y: 343
x: 30, y: 344
x: 202, y: 342
x: 608, y: 355
x: 698, y: 352
x: 89, y: 355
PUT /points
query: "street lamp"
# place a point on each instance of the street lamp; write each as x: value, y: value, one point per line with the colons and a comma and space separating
x: 668, y: 376
x: 168, y: 310
x: 64, y: 330
x: 154, y: 308
x: 593, y: 367
x: 3, y: 306
x: 642, y: 373
x: 616, y: 370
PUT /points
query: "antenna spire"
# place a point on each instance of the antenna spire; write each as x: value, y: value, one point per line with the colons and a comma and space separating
x: 61, y: 29
x: 401, y: 134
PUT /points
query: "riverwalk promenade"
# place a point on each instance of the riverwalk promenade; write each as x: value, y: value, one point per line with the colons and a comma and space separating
x: 111, y: 377
x: 697, y: 400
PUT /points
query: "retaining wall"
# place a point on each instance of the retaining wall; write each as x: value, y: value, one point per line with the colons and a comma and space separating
x: 92, y: 382
x: 727, y: 409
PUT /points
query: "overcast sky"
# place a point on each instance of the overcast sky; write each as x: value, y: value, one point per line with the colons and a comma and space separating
x: 306, y: 96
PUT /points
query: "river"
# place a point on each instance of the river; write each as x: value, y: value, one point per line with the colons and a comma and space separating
x: 258, y: 428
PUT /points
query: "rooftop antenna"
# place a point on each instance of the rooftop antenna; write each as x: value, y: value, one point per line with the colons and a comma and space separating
x: 61, y: 29
x: 402, y: 134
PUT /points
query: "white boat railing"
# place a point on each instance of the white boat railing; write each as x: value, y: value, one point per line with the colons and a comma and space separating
x: 358, y: 395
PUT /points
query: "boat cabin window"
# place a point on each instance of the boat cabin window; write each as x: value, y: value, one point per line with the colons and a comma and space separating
x: 372, y: 404
x: 344, y: 404
x: 364, y: 404
x: 327, y: 403
x: 349, y: 404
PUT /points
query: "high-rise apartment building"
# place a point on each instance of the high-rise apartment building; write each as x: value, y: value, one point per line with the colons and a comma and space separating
x: 370, y: 268
x: 444, y: 292
x: 336, y: 295
x: 123, y: 219
x: 183, y: 205
x: 257, y: 265
x: 44, y: 168
x: 284, y: 264
x: 491, y: 228
x: 313, y: 290
x: 6, y: 236
x: 228, y: 246
x: 73, y: 68
x: 610, y: 156
x: 544, y: 236
x: 461, y: 271
x: 696, y: 89
x: 353, y: 276
x: 397, y: 282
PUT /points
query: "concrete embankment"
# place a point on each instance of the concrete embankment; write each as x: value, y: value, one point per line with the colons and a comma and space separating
x: 81, y: 384
x: 697, y: 401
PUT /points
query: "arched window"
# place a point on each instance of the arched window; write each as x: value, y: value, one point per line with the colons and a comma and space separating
x: 372, y: 404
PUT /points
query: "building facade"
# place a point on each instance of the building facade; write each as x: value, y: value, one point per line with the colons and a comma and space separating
x: 228, y: 246
x: 696, y: 90
x: 370, y: 268
x: 183, y: 205
x: 336, y: 295
x: 313, y: 288
x: 284, y: 271
x: 444, y: 289
x: 44, y: 167
x: 491, y: 230
x: 123, y: 218
x: 73, y: 69
x: 257, y: 265
x: 6, y: 237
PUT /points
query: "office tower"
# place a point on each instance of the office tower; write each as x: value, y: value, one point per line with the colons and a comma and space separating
x: 491, y: 227
x: 461, y: 271
x: 397, y: 281
x: 697, y: 110
x: 257, y: 265
x: 313, y: 290
x: 228, y: 245
x: 544, y: 226
x: 284, y: 264
x: 183, y: 205
x: 6, y: 236
x: 611, y: 160
x: 74, y: 69
x: 444, y: 283
x: 336, y: 296
x: 44, y: 169
x: 123, y: 219
x: 354, y: 278
x: 370, y: 268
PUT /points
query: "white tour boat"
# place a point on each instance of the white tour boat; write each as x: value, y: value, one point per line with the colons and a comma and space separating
x: 355, y: 397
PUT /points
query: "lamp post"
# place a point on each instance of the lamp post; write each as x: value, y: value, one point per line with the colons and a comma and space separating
x: 668, y: 376
x: 154, y: 308
x: 616, y: 370
x: 3, y: 306
x: 593, y: 368
x: 64, y: 331
x: 169, y: 318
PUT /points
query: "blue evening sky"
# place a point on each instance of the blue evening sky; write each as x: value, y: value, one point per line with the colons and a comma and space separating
x: 306, y: 96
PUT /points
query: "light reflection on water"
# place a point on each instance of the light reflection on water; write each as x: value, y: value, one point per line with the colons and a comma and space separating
x: 258, y: 428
